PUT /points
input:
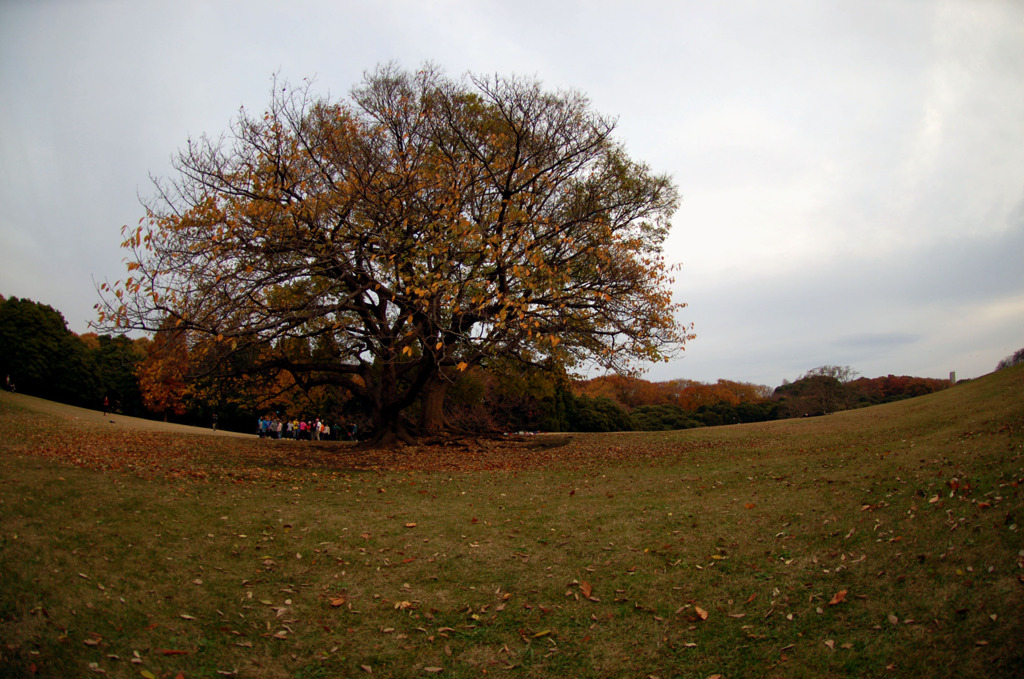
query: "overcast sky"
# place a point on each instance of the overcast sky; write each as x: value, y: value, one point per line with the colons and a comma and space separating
x: 852, y: 171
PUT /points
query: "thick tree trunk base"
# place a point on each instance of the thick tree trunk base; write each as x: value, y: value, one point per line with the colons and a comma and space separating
x: 388, y: 438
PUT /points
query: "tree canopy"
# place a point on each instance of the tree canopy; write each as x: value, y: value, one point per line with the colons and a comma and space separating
x: 41, y: 357
x: 421, y: 226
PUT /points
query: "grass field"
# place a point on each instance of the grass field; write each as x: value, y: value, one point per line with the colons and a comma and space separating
x: 878, y: 542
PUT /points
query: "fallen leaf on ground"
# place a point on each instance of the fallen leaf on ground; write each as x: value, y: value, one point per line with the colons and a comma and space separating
x: 838, y: 598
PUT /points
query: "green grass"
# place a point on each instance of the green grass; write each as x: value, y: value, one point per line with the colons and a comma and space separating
x: 716, y: 551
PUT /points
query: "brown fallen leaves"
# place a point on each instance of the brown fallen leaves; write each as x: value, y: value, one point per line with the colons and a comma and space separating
x: 838, y: 598
x: 586, y: 589
x: 199, y: 458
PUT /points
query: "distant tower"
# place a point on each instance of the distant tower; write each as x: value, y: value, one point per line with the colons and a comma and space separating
x: 952, y: 378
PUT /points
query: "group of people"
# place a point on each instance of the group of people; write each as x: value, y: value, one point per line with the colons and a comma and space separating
x: 299, y: 430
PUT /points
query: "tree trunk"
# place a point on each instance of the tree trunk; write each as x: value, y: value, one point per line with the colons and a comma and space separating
x: 432, y: 405
x: 387, y: 437
x: 388, y: 427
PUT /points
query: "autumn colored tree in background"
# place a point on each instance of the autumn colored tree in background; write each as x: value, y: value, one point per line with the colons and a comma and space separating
x: 631, y: 392
x: 163, y: 372
x: 875, y: 390
x: 421, y: 227
x: 830, y: 388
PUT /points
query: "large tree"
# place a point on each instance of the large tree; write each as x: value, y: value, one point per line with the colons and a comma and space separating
x: 421, y: 226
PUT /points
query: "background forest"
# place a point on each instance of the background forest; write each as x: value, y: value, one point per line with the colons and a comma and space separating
x: 147, y: 377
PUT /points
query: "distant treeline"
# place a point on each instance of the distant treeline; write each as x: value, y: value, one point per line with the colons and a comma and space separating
x: 41, y: 357
x: 154, y: 377
x: 630, y: 403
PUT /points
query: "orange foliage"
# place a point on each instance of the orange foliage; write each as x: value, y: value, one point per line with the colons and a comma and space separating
x: 631, y: 392
x: 162, y: 374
